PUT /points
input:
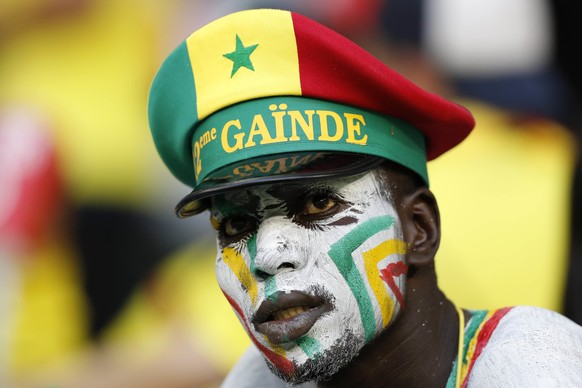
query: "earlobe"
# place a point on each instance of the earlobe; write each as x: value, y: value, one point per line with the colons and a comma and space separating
x: 421, y: 226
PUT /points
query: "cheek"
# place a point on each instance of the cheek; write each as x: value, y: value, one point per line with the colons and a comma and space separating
x: 370, y: 259
x: 235, y: 278
x: 386, y: 273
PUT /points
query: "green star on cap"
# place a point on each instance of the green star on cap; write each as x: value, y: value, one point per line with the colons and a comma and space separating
x: 241, y: 56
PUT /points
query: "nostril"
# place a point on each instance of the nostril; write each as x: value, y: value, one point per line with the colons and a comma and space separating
x: 263, y: 275
x: 285, y: 265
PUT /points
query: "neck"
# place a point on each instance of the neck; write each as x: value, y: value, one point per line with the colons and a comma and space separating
x: 417, y: 350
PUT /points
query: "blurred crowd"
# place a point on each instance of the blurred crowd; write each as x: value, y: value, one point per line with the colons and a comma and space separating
x: 100, y: 284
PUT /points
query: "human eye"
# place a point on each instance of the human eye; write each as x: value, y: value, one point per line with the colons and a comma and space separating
x: 237, y: 226
x: 234, y: 217
x: 318, y: 203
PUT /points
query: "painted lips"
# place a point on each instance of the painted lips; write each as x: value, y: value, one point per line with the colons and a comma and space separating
x: 288, y: 316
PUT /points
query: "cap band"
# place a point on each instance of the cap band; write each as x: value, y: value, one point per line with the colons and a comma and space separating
x: 280, y: 125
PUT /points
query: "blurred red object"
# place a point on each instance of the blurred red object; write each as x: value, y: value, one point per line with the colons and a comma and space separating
x: 353, y: 17
x: 31, y: 187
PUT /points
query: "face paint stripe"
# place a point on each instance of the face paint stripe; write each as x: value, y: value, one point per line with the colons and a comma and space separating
x: 309, y: 345
x: 252, y: 248
x: 341, y: 254
x: 279, y: 362
x: 371, y: 259
x: 214, y: 222
x: 280, y: 350
x: 271, y: 289
x: 394, y: 270
x: 238, y: 266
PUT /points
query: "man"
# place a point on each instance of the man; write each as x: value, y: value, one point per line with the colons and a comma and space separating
x: 310, y: 155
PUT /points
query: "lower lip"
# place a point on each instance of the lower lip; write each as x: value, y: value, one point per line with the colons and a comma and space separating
x: 279, y: 332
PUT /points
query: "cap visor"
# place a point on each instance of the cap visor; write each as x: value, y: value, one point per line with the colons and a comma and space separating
x: 304, y: 166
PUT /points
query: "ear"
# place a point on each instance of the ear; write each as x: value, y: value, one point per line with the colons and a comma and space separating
x: 421, y: 226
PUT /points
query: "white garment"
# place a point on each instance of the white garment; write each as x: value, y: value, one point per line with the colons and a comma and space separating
x: 531, y: 347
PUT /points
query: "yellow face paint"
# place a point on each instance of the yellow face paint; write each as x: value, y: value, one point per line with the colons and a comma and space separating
x: 371, y: 260
x: 238, y: 266
x: 214, y: 222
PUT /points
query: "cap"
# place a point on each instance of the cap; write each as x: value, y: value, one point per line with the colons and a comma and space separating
x: 258, y: 96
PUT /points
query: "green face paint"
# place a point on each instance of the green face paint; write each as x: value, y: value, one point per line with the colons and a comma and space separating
x: 341, y: 254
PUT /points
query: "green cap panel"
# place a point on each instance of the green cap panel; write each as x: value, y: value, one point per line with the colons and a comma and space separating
x: 172, y: 112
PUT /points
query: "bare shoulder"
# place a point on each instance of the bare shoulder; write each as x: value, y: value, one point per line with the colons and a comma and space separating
x: 531, y: 347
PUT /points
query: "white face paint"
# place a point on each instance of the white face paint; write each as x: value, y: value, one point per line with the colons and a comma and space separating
x: 315, y: 271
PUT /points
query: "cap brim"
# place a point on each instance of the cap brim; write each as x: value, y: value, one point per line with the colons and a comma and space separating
x: 320, y: 166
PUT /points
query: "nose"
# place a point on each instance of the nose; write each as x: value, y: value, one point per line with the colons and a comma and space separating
x: 279, y: 248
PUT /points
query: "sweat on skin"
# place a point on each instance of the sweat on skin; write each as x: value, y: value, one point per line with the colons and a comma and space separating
x: 314, y: 271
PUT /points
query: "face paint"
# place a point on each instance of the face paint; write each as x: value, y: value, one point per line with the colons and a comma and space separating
x: 314, y: 271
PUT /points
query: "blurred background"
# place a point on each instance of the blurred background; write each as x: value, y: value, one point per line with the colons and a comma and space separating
x: 101, y: 286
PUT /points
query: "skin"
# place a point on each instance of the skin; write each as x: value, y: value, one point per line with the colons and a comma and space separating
x: 276, y: 241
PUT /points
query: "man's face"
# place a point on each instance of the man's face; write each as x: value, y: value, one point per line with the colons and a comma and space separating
x: 314, y: 271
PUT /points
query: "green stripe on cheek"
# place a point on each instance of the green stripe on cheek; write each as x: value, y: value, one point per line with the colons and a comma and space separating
x: 271, y: 289
x: 309, y: 345
x: 252, y: 248
x: 341, y: 254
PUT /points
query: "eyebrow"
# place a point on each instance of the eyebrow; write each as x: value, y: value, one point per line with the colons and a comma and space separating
x: 288, y: 192
x: 282, y: 191
x: 233, y: 205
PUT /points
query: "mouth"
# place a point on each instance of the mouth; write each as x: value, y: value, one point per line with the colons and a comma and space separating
x: 289, y: 315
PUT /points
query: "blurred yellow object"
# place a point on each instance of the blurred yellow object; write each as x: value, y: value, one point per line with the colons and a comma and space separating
x: 86, y: 65
x: 504, y: 197
x: 184, y: 291
x: 90, y: 73
x: 50, y: 321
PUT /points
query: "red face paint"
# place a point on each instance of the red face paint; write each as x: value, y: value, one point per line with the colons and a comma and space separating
x: 281, y: 363
x: 394, y: 270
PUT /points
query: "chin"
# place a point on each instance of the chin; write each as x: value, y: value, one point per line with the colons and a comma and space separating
x: 324, y: 366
